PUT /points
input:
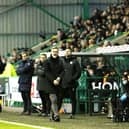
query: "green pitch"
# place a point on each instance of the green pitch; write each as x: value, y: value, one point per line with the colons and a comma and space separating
x: 15, y: 125
x: 82, y: 121
x: 10, y: 126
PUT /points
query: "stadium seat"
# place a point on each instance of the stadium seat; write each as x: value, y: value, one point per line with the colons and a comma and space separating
x: 82, y: 97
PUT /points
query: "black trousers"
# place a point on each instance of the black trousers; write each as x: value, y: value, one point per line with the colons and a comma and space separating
x: 68, y: 93
x: 26, y: 101
x: 46, y: 104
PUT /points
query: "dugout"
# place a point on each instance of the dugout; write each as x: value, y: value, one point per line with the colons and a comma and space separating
x: 100, y: 80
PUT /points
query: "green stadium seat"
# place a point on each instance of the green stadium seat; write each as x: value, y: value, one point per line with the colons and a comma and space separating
x: 81, y: 93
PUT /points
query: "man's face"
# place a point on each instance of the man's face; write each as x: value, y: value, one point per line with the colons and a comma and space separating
x: 42, y: 58
x: 54, y: 52
x: 24, y: 56
x: 67, y: 52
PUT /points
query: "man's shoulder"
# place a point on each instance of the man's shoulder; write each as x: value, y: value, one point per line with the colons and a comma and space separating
x: 48, y: 60
x: 73, y: 59
x: 31, y: 61
x: 61, y: 59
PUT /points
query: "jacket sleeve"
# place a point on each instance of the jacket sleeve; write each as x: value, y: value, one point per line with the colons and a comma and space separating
x: 40, y: 70
x: 25, y: 68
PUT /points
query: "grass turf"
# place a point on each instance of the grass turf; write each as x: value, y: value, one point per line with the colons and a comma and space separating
x: 80, y: 122
x: 10, y: 126
x: 16, y: 125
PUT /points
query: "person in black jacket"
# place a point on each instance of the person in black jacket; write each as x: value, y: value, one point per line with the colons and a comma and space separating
x: 25, y: 72
x: 53, y: 72
x: 72, y: 72
x: 41, y: 86
x: 125, y: 88
x: 2, y: 65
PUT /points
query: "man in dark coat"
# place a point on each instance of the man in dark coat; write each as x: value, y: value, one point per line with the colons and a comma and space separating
x: 72, y: 72
x: 25, y: 72
x: 53, y: 73
x: 2, y: 65
x: 42, y: 86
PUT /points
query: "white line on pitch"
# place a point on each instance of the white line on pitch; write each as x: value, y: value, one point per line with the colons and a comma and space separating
x: 27, y: 125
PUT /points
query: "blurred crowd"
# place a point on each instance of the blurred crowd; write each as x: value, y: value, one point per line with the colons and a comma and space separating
x: 85, y: 33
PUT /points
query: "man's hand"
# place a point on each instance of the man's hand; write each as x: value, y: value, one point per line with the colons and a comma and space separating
x: 56, y: 82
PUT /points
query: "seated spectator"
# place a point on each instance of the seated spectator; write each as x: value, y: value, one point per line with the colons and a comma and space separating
x: 60, y: 34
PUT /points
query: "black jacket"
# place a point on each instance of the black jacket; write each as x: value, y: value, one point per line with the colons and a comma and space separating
x: 2, y: 66
x: 25, y: 72
x: 41, y: 81
x: 126, y: 88
x: 72, y: 72
x: 53, y: 69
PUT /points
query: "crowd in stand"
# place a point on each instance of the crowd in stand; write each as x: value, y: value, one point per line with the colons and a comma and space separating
x: 85, y: 33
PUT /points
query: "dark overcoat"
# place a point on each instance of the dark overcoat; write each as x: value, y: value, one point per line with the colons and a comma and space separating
x: 72, y: 72
x: 53, y: 69
x: 25, y: 72
x: 42, y: 82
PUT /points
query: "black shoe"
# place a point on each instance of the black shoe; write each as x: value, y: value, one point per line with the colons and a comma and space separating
x: 57, y: 118
x: 71, y: 116
x: 54, y: 118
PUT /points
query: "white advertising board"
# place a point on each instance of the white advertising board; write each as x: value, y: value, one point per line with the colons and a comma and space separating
x: 15, y: 94
x: 111, y: 49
